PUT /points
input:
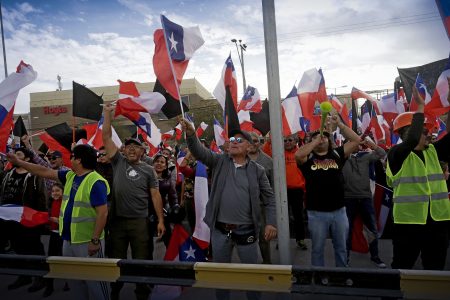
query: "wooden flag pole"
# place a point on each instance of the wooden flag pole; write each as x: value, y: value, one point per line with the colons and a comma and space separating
x: 171, y: 67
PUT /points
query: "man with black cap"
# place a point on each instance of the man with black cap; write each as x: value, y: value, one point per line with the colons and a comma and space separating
x: 135, y: 189
x: 238, y: 186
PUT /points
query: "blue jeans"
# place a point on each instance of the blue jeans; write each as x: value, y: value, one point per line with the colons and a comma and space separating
x: 364, y: 207
x: 319, y: 224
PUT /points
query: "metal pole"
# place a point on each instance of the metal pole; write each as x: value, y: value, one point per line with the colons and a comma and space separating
x: 273, y: 85
x: 242, y: 66
x: 3, y: 41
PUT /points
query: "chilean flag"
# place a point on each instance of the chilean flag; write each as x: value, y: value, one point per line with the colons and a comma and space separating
x: 439, y: 104
x: 214, y: 148
x: 132, y: 100
x: 291, y: 113
x: 423, y: 92
x: 251, y: 101
x: 182, y: 43
x: 444, y: 10
x: 26, y: 216
x: 219, y: 133
x: 167, y: 135
x: 311, y: 88
x: 201, y: 232
x: 182, y: 247
x: 390, y: 107
x: 356, y: 94
x: 201, y: 129
x: 370, y: 121
x: 340, y: 108
x: 228, y: 79
x: 96, y: 140
x: 178, y: 132
x: 9, y: 90
x: 442, y: 129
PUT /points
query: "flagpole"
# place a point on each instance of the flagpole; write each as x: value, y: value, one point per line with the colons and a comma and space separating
x: 171, y: 66
x: 3, y: 41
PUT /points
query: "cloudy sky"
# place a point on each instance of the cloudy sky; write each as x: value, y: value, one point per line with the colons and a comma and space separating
x: 95, y: 42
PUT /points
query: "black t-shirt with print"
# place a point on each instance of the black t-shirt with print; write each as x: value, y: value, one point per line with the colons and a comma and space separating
x: 13, y: 193
x: 324, y: 180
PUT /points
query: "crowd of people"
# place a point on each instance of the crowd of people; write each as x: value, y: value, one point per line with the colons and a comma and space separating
x: 115, y: 199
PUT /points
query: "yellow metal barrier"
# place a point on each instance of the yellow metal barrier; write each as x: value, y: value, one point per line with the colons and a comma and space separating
x: 102, y: 269
x: 424, y: 284
x: 273, y: 278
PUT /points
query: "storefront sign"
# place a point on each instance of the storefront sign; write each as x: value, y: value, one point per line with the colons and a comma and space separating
x: 54, y: 110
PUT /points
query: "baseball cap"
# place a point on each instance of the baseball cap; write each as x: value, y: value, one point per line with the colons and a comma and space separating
x: 133, y: 141
x: 245, y: 134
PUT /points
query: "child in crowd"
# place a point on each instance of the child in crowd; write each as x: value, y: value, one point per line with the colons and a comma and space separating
x: 55, y: 243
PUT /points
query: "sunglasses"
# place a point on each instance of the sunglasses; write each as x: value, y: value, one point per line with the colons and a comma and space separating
x: 238, y: 140
x: 101, y: 155
x: 53, y: 157
x: 288, y: 140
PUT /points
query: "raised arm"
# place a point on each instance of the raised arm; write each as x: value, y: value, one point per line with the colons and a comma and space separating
x: 33, y: 168
x: 302, y: 153
x: 110, y: 148
x: 352, y: 137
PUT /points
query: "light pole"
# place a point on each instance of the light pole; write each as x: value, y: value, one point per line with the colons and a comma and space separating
x: 335, y: 88
x: 241, y: 58
x: 3, y: 41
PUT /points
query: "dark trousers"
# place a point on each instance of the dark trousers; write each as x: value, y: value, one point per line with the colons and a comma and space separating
x: 295, y: 201
x: 364, y: 208
x: 134, y: 232
x: 429, y: 240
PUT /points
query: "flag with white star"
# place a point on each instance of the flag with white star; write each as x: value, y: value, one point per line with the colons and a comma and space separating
x: 182, y: 247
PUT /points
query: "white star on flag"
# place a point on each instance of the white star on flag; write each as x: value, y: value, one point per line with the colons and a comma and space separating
x: 190, y: 252
x: 173, y: 43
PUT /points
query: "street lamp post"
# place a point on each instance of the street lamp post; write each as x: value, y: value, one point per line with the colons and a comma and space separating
x: 241, y: 58
x: 337, y: 87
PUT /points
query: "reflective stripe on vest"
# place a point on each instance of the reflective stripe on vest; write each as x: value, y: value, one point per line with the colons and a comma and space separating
x: 419, y: 188
x: 83, y: 214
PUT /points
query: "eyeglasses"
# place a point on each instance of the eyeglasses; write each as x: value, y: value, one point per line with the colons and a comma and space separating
x: 133, y: 146
x: 238, y: 140
x: 101, y: 155
x: 54, y: 157
x: 288, y: 140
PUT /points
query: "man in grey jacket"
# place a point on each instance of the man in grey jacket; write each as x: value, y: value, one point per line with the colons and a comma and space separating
x: 358, y: 194
x: 238, y: 186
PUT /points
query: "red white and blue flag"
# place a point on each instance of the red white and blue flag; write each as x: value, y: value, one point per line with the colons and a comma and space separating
x: 390, y: 107
x: 26, y: 216
x: 442, y: 129
x: 251, y: 101
x: 439, y: 104
x: 182, y: 43
x: 219, y: 133
x: 9, y: 90
x: 96, y: 139
x: 227, y: 79
x: 130, y: 99
x: 311, y: 88
x: 444, y: 10
x: 291, y: 113
x: 201, y: 129
x: 201, y: 232
x: 423, y: 92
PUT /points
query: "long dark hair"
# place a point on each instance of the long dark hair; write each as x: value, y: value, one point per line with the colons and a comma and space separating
x: 165, y: 173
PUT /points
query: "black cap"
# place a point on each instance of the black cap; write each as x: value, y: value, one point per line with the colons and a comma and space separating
x: 245, y: 134
x: 56, y: 154
x: 133, y: 141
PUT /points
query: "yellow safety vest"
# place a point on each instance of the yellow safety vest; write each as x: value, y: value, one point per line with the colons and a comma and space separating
x: 83, y: 214
x: 419, y: 187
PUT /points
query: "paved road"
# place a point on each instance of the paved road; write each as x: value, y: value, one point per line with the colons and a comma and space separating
x: 299, y: 257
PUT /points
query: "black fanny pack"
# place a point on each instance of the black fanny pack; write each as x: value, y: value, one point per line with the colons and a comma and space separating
x: 238, y: 238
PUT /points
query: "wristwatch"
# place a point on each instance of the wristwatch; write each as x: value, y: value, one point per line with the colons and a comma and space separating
x: 95, y: 241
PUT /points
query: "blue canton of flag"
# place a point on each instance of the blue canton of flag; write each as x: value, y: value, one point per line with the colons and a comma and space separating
x: 249, y: 92
x: 190, y: 251
x: 305, y: 124
x: 174, y: 34
x: 421, y: 87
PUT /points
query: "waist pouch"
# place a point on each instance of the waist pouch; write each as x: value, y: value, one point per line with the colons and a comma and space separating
x: 237, y: 237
